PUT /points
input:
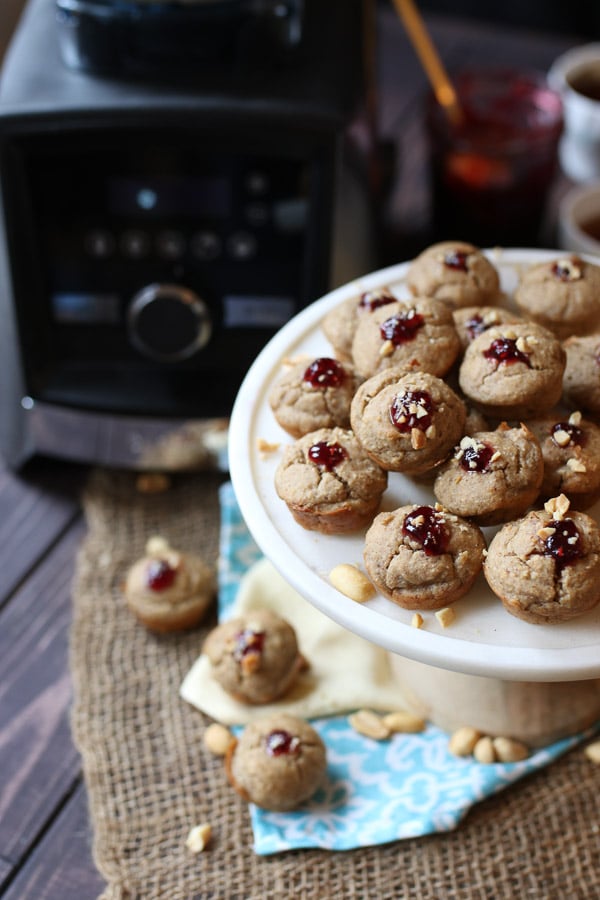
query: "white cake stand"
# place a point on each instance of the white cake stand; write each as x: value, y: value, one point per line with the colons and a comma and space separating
x: 487, y: 669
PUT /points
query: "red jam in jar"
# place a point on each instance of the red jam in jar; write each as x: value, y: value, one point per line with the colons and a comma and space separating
x: 160, y: 575
x: 401, y: 328
x: 505, y: 350
x: 327, y: 455
x: 414, y: 409
x: 564, y: 545
x: 282, y: 743
x: 324, y: 372
x: 425, y: 525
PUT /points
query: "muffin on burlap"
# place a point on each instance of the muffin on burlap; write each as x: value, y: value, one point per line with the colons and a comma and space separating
x: 545, y: 567
x: 407, y: 422
x: 493, y: 476
x: 254, y: 657
x: 570, y: 447
x: 562, y: 294
x: 513, y: 371
x: 455, y: 272
x: 339, y: 324
x: 423, y: 557
x: 581, y: 381
x: 168, y: 590
x: 329, y: 482
x: 278, y: 762
x: 471, y: 321
x: 314, y: 394
x: 419, y: 333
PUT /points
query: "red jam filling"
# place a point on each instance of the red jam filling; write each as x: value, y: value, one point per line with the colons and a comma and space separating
x: 476, y: 326
x: 505, y: 350
x: 324, y: 372
x: 247, y: 642
x: 566, y: 271
x: 425, y: 525
x: 564, y: 545
x: 371, y: 300
x: 160, y: 575
x: 456, y: 259
x: 414, y: 409
x: 401, y: 328
x: 327, y: 455
x: 576, y: 435
x: 281, y: 743
x: 476, y: 457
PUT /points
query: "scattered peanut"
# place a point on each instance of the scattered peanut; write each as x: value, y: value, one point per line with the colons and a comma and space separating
x: 445, y: 616
x: 463, y: 740
x: 218, y: 739
x: 417, y: 620
x: 592, y: 751
x: 349, y: 580
x: 368, y: 723
x: 199, y: 837
x: 483, y: 751
x: 402, y: 722
x: 152, y: 483
x: 509, y: 750
x: 265, y: 447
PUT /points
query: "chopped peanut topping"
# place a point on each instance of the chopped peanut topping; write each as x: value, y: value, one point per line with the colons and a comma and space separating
x: 445, y: 616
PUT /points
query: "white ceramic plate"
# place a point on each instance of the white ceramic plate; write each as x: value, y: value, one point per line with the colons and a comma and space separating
x: 484, y: 639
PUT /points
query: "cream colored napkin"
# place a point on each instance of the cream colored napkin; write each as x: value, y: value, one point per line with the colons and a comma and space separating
x: 345, y: 671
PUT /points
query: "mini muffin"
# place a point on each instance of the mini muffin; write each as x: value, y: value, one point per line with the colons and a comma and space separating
x: 563, y: 295
x: 329, y: 482
x: 418, y: 333
x: 254, y: 657
x: 571, y: 449
x: 455, y: 272
x: 407, y: 422
x: 278, y: 762
x: 314, y: 394
x: 471, y: 321
x: 493, y: 476
x: 168, y: 590
x: 340, y: 323
x: 581, y: 382
x: 545, y: 567
x: 513, y: 371
x: 423, y: 557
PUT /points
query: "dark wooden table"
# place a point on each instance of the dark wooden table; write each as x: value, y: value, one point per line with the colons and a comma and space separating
x: 45, y: 834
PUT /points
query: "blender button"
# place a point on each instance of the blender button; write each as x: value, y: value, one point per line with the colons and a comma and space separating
x: 242, y: 245
x: 170, y: 244
x: 206, y: 245
x: 257, y: 183
x: 135, y: 244
x: 99, y: 243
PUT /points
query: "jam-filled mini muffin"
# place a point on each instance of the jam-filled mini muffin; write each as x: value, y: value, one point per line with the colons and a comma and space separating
x: 417, y: 333
x: 340, y: 323
x: 581, y: 381
x: 563, y: 295
x: 314, y: 394
x: 471, y: 321
x: 168, y: 590
x: 423, y: 557
x: 571, y: 449
x: 545, y: 567
x: 329, y: 482
x: 493, y: 476
x: 254, y: 657
x: 278, y: 762
x: 513, y: 371
x: 407, y: 422
x: 455, y: 272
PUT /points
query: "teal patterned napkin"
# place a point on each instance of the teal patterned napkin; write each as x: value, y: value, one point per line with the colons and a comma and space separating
x: 375, y: 791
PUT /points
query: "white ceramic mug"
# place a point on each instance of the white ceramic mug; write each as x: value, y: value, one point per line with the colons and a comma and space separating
x: 579, y: 219
x: 570, y: 75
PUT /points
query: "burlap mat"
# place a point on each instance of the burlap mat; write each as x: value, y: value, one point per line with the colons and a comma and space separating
x: 149, y: 778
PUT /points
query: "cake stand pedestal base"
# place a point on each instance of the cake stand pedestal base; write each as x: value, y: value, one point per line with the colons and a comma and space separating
x: 537, y: 713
